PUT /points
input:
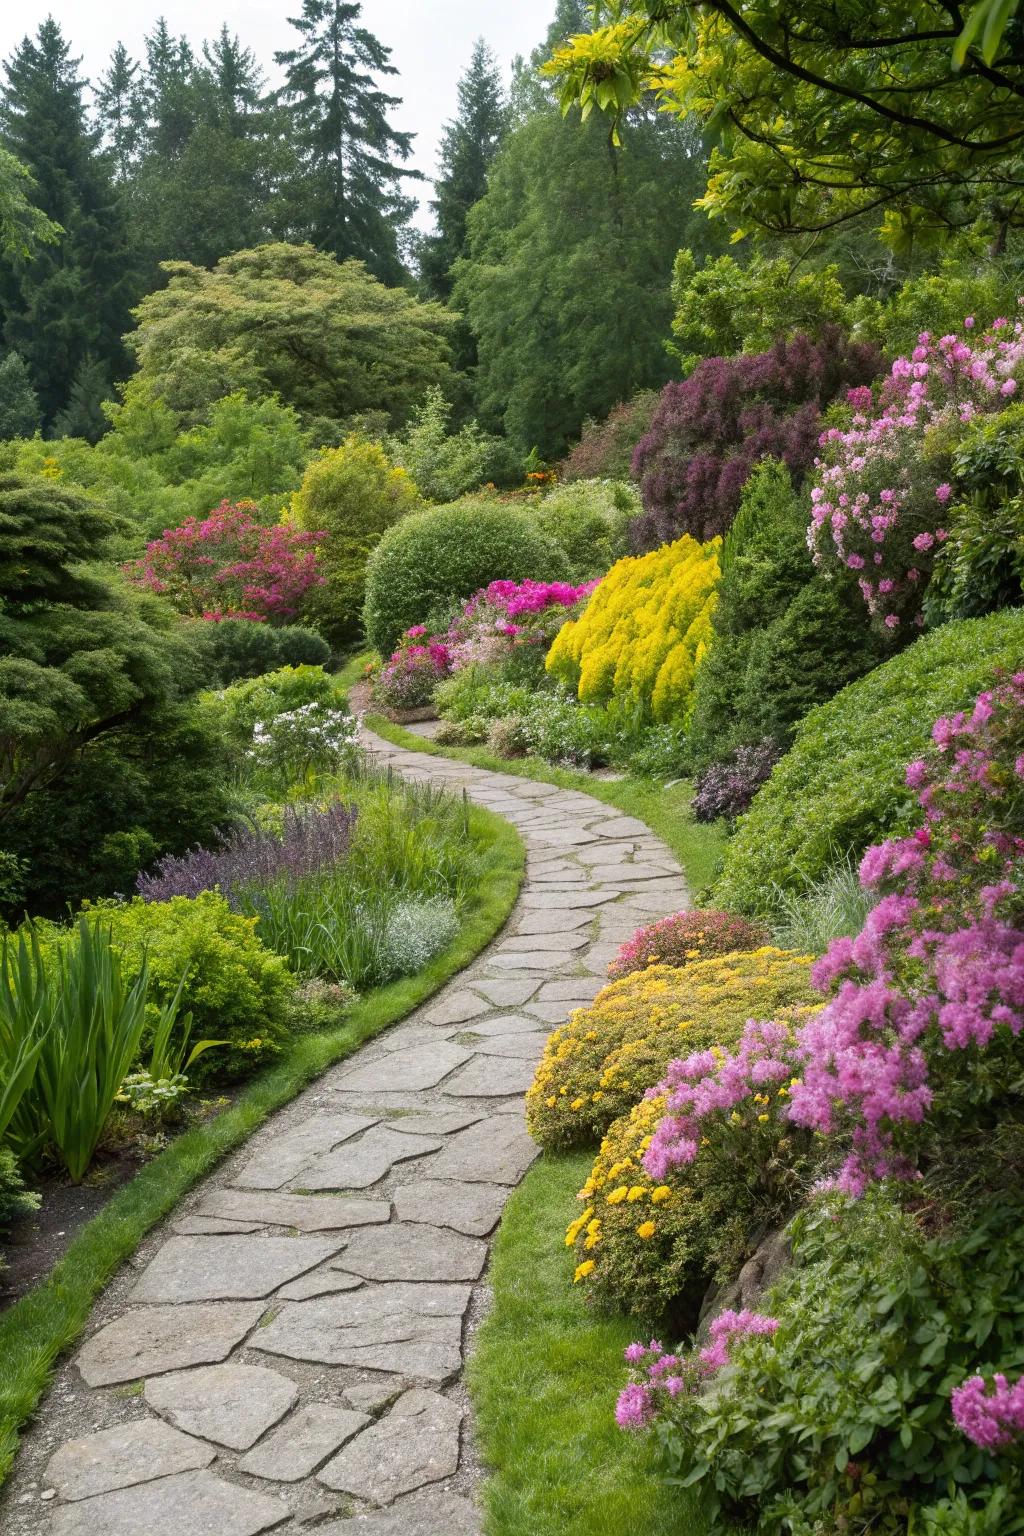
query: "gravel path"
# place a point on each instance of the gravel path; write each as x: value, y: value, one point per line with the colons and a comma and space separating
x: 286, y: 1352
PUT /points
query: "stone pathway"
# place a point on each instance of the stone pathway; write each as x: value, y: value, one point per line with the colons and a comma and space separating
x: 286, y: 1352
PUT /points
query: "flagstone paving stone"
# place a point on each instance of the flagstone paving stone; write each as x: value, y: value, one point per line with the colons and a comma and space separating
x: 311, y: 1338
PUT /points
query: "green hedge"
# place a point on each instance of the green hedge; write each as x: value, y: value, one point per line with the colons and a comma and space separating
x: 841, y: 785
x: 430, y: 560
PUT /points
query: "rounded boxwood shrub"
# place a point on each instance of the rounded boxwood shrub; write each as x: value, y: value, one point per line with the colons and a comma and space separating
x: 239, y: 648
x: 432, y: 559
x: 841, y: 786
x: 590, y: 520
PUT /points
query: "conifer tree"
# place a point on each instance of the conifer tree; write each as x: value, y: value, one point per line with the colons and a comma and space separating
x: 72, y: 298
x: 468, y: 146
x: 19, y: 405
x: 121, y: 111
x: 346, y: 197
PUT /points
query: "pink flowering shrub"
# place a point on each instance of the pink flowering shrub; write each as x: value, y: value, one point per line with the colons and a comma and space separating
x: 687, y: 936
x: 408, y: 678
x: 927, y: 1003
x: 882, y: 490
x: 231, y: 566
x: 992, y: 1417
x: 511, y: 624
x: 659, y: 1378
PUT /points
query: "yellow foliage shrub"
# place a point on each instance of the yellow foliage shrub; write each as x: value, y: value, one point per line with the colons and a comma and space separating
x: 643, y: 633
x: 596, y: 1066
x: 652, y: 1248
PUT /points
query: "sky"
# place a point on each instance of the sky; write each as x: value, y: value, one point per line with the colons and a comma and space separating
x: 431, y: 41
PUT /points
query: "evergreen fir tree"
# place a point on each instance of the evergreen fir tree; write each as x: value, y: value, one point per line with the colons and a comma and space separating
x: 346, y: 197
x: 73, y: 298
x: 468, y: 145
x: 19, y: 404
x: 83, y: 415
x: 121, y: 111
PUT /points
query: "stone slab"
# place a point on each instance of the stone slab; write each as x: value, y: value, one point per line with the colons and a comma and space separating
x: 565, y: 901
x: 123, y: 1456
x: 491, y: 1077
x: 414, y: 1252
x: 320, y: 1282
x: 536, y: 964
x: 370, y: 1396
x: 434, y: 1122
x: 364, y: 1162
x: 619, y: 826
x: 497, y: 1151
x: 506, y: 993
x: 279, y: 1160
x: 411, y: 1330
x: 148, y: 1340
x: 502, y: 1024
x: 471, y: 1208
x: 546, y: 944
x: 232, y: 1405
x: 300, y: 1445
x: 189, y: 1504
x: 415, y: 1444
x: 520, y: 1046
x: 454, y: 1009
x: 228, y: 1268
x: 573, y: 989
x: 212, y: 1226
x: 306, y: 1213
x: 421, y: 1067
x: 430, y: 1514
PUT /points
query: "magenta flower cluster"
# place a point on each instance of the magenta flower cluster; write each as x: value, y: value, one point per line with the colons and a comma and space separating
x: 879, y: 499
x: 992, y: 1418
x: 509, y: 616
x: 229, y: 565
x: 660, y: 1376
x: 409, y: 676
x: 696, y: 934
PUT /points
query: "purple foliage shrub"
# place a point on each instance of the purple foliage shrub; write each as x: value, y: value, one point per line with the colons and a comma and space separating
x: 727, y: 788
x: 711, y: 429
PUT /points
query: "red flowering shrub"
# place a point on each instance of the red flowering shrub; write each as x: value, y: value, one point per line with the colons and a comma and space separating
x: 687, y: 936
x: 408, y: 678
x: 231, y: 566
x: 711, y: 429
x: 605, y: 448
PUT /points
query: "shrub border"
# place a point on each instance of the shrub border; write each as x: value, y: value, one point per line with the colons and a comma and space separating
x: 44, y: 1324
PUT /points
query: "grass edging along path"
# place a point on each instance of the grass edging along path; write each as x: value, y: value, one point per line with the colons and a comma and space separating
x: 46, y: 1322
x: 544, y: 1375
x: 666, y: 810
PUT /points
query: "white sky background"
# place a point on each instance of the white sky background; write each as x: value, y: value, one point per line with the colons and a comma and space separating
x: 431, y: 41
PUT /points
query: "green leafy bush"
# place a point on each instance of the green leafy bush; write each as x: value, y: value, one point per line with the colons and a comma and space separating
x: 429, y: 560
x: 605, y: 448
x: 235, y: 988
x: 354, y: 494
x: 841, y: 1418
x: 240, y: 648
x: 442, y: 463
x: 238, y: 709
x: 841, y: 785
x: 589, y: 520
x: 785, y: 638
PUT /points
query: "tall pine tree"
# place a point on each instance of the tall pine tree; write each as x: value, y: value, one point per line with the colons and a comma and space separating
x: 121, y: 111
x: 468, y: 146
x: 346, y: 197
x: 67, y: 308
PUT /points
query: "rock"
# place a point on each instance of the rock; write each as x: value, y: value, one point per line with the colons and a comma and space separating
x: 565, y: 901
x: 321, y: 1282
x: 534, y: 963
x: 503, y: 1024
x: 284, y: 1155
x: 411, y: 1330
x: 148, y: 1340
x: 434, y: 1122
x: 429, y: 1514
x: 299, y: 1446
x: 546, y: 944
x: 228, y: 1268
x: 422, y: 1067
x: 506, y: 994
x: 415, y: 1444
x: 516, y: 1047
x: 304, y: 1213
x: 232, y: 1405
x: 497, y: 1151
x: 414, y: 1252
x: 491, y: 1077
x: 212, y: 1226
x: 364, y: 1162
x: 454, y: 1008
x: 619, y: 826
x: 472, y: 1208
x: 573, y: 989
x: 532, y: 923
x: 188, y: 1504
x: 368, y: 1396
x: 122, y: 1456
x: 760, y: 1271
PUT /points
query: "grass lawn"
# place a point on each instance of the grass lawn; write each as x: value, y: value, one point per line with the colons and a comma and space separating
x: 544, y: 1376
x: 46, y: 1323
x: 666, y: 810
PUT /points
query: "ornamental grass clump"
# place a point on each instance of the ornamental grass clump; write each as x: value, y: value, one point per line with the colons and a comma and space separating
x: 607, y: 1056
x: 678, y: 940
x: 641, y: 637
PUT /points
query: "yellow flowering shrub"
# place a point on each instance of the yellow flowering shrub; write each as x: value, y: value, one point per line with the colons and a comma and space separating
x: 597, y: 1065
x: 643, y: 633
x: 652, y: 1248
